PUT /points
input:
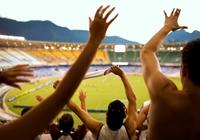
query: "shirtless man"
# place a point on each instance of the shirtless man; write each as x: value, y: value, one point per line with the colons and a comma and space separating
x: 174, y: 113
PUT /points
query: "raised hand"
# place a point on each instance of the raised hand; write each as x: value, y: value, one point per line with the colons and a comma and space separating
x: 171, y: 21
x: 82, y: 95
x: 117, y: 70
x: 39, y: 98
x: 99, y: 25
x: 56, y: 83
x: 15, y: 75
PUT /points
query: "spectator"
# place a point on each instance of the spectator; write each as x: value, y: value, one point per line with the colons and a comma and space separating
x: 33, y: 123
x: 115, y: 127
x: 64, y: 129
x: 174, y: 113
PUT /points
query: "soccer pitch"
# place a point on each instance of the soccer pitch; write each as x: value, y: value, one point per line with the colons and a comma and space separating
x: 100, y: 91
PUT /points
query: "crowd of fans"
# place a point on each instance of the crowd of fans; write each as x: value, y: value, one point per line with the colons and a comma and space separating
x: 170, y: 114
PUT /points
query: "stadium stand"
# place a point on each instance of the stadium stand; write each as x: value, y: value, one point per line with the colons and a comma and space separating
x: 47, y: 53
x: 48, y: 57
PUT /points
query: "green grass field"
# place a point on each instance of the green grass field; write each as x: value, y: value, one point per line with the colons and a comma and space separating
x: 100, y: 91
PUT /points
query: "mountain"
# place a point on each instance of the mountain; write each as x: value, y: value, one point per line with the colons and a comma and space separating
x: 47, y: 31
x: 182, y: 36
x: 83, y: 36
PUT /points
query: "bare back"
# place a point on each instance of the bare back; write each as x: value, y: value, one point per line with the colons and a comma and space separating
x: 175, y: 121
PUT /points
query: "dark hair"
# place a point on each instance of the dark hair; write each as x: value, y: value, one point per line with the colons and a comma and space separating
x: 25, y: 110
x: 115, y: 115
x: 66, y: 123
x: 191, y: 55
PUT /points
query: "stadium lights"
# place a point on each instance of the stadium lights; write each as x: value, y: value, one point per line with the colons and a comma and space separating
x: 119, y: 63
x: 63, y: 48
x: 171, y: 49
x: 119, y: 48
x: 46, y: 47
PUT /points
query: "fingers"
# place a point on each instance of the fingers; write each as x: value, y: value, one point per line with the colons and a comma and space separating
x: 112, y: 19
x: 103, y: 10
x: 22, y: 73
x: 114, y: 68
x: 179, y: 27
x: 56, y: 83
x: 21, y: 80
x: 184, y: 27
x: 20, y: 70
x: 82, y: 95
x: 39, y: 98
x: 177, y: 12
x: 172, y: 12
x: 98, y: 10
x: 165, y: 14
x: 109, y: 12
x: 21, y: 67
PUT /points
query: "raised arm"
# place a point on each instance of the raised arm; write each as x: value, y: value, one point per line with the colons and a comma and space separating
x: 131, y: 120
x: 34, y: 122
x: 142, y: 115
x: 82, y: 98
x: 92, y: 124
x: 154, y: 79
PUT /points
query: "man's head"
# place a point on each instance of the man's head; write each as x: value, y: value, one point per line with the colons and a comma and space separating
x: 191, y: 55
x: 115, y: 115
x: 66, y: 123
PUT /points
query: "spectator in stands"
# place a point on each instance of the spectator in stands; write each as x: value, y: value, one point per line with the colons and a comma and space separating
x: 65, y: 127
x: 174, y: 113
x: 115, y: 128
x: 17, y: 74
x: 38, y: 118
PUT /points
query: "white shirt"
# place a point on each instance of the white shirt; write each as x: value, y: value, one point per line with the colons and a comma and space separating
x: 107, y: 134
x: 68, y: 137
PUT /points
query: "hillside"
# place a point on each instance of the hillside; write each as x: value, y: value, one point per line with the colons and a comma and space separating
x: 47, y: 31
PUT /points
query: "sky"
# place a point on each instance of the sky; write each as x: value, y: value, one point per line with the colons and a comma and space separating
x: 138, y: 20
